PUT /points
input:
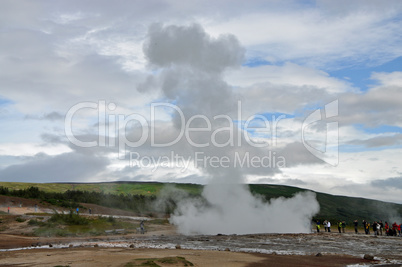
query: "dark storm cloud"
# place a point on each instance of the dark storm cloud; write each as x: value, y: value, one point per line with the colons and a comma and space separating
x: 395, y: 182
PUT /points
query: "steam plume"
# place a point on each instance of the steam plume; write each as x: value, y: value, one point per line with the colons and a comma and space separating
x: 192, y: 64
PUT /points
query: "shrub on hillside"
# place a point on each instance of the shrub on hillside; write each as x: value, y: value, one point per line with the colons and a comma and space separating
x: 19, y: 219
x: 68, y: 219
x: 35, y: 222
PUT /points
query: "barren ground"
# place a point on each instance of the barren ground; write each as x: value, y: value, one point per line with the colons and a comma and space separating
x: 17, y: 248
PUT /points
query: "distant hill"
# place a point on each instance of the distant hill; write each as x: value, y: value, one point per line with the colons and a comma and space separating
x: 337, y: 208
x: 332, y: 207
x: 134, y: 188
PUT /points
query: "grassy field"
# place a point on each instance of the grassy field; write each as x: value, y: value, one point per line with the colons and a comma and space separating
x: 134, y: 188
x: 78, y: 225
x: 75, y: 225
x: 332, y: 207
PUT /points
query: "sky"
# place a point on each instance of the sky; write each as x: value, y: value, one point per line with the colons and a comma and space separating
x: 299, y: 93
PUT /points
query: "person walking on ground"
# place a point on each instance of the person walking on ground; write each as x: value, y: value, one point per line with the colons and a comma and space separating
x: 356, y: 223
x: 343, y: 226
x: 142, y: 227
x: 339, y: 227
x: 329, y: 226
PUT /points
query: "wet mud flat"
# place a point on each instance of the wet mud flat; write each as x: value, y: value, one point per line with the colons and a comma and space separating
x: 386, y: 251
x: 383, y: 248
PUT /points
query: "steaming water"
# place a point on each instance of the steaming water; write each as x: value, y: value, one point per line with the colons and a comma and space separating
x: 233, y: 209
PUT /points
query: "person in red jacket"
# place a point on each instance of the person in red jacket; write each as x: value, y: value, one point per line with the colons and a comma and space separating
x: 386, y: 227
x: 394, y: 228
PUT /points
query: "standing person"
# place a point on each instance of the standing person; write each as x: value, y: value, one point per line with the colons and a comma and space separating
x: 343, y: 226
x: 36, y: 207
x: 381, y: 227
x: 325, y: 223
x: 394, y: 229
x: 142, y: 227
x: 386, y: 228
x: 365, y: 226
x: 318, y: 226
x: 329, y: 226
x: 90, y: 211
x: 374, y: 228
x: 77, y: 210
x: 339, y: 226
x: 356, y: 223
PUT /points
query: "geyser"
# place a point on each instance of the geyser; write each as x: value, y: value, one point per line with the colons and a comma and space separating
x: 232, y: 209
x: 192, y: 65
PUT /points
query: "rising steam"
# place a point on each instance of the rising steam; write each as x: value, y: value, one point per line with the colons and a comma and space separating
x: 192, y: 64
x: 232, y: 209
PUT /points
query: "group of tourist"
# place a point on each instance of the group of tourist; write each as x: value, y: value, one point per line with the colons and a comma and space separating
x: 326, y: 224
x: 378, y: 227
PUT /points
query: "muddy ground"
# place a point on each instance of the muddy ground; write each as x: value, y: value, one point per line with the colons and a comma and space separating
x: 17, y: 248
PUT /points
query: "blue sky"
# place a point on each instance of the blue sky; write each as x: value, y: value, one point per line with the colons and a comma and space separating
x: 360, y: 75
x: 380, y: 129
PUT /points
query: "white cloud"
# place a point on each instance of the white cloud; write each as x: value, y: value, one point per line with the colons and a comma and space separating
x: 318, y: 36
x: 31, y: 149
x: 388, y: 79
x: 42, y: 168
x: 53, y: 56
x: 289, y: 74
x: 378, y: 106
x: 353, y: 176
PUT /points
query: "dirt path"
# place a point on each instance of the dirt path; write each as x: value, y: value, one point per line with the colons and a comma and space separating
x: 122, y: 256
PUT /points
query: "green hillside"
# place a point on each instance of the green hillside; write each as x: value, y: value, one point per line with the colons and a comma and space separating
x: 133, y: 188
x: 331, y: 207
x: 337, y: 208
